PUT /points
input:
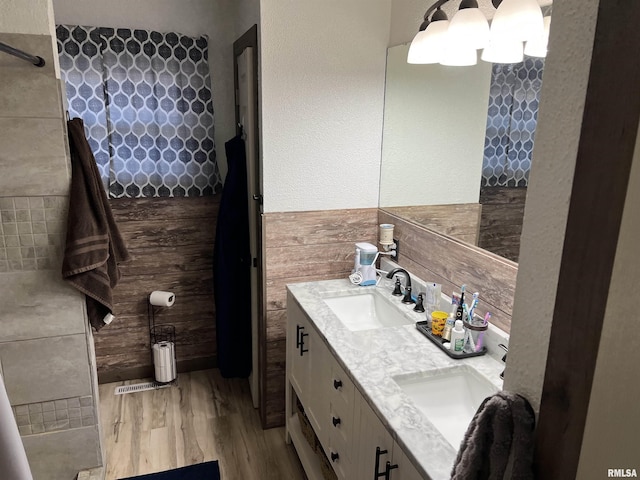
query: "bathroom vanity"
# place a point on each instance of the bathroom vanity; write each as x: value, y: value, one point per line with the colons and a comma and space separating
x: 380, y: 400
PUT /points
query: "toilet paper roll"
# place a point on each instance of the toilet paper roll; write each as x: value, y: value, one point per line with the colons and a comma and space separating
x: 162, y: 299
x: 163, y: 362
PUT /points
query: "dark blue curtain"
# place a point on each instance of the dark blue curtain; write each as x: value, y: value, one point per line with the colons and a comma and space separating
x: 145, y: 99
x: 511, y: 123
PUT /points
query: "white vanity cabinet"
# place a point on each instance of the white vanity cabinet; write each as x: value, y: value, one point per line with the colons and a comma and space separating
x: 353, y: 438
x: 308, y: 370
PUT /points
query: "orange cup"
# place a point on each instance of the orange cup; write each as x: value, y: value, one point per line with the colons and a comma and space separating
x: 438, y: 320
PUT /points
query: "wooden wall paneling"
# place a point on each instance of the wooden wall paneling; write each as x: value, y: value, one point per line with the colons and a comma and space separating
x: 501, y: 220
x: 461, y: 221
x: 171, y: 245
x: 302, y: 247
x: 433, y: 256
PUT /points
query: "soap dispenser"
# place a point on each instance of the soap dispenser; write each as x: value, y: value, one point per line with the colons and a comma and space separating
x: 457, y: 338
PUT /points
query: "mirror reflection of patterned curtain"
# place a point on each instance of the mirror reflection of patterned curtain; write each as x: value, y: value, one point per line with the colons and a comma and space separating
x: 512, y: 116
x: 145, y: 98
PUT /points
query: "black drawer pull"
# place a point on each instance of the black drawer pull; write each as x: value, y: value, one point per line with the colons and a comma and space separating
x: 302, y: 349
x: 377, y: 474
x: 387, y: 472
x: 337, y: 384
x: 298, y: 338
x: 336, y: 421
x: 334, y: 456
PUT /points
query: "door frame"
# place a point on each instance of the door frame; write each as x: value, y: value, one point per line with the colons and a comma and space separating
x: 246, y: 40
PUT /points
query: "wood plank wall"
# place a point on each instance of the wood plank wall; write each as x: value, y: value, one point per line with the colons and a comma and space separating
x: 461, y: 221
x: 302, y: 247
x: 445, y: 260
x: 171, y: 244
x: 501, y: 220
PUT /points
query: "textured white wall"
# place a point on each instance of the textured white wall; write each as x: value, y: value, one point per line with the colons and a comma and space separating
x: 434, y: 130
x: 190, y: 17
x: 554, y: 158
x: 31, y: 17
x: 25, y: 16
x: 323, y: 67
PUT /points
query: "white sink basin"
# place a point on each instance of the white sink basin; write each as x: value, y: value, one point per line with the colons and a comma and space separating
x: 448, y: 399
x: 366, y: 311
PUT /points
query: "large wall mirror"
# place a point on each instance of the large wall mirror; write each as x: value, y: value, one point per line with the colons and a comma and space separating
x: 457, y: 145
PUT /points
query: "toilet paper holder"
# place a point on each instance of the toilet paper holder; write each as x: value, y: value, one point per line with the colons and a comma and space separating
x: 160, y: 333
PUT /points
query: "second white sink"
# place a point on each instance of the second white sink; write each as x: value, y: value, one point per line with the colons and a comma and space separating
x: 366, y: 311
x: 449, y: 400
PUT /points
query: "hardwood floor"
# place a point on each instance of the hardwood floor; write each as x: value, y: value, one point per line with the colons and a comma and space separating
x: 205, y: 417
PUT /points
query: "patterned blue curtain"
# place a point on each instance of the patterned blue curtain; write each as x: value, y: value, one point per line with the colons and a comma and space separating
x: 511, y: 123
x: 145, y: 99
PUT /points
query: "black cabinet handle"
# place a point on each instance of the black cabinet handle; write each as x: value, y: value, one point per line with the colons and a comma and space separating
x: 298, y: 339
x: 334, y: 456
x: 337, y: 384
x: 336, y: 421
x: 387, y: 471
x: 379, y: 452
x: 302, y: 349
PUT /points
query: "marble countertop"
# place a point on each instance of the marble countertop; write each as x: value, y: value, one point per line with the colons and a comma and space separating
x: 372, y: 357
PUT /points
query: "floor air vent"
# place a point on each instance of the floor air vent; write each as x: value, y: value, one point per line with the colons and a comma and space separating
x: 140, y: 387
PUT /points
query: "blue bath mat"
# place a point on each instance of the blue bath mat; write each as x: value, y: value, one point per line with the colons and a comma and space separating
x: 200, y: 471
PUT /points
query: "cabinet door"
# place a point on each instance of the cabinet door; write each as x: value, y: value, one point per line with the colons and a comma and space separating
x: 405, y: 470
x: 375, y: 445
x: 317, y: 403
x: 298, y: 351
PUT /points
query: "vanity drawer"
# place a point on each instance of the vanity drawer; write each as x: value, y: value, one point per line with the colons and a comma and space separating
x: 340, y: 424
x: 341, y: 387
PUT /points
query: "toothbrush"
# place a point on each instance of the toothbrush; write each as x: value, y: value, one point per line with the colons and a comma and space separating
x: 487, y: 317
x: 474, y: 304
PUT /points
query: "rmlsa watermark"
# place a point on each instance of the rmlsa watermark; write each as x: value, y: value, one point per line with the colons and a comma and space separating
x: 622, y: 473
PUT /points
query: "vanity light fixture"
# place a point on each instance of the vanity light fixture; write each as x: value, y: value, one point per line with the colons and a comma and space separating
x: 430, y: 40
x: 517, y: 28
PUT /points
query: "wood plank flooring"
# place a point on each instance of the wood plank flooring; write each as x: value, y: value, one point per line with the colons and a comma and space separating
x: 205, y: 417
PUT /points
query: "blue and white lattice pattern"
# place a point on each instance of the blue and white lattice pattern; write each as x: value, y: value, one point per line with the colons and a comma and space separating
x: 145, y: 98
x: 511, y: 123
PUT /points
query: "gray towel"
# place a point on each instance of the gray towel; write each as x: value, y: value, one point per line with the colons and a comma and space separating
x: 500, y: 434
x: 94, y: 245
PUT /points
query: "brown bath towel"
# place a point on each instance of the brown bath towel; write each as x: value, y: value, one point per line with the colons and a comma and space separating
x: 94, y: 245
x: 500, y: 434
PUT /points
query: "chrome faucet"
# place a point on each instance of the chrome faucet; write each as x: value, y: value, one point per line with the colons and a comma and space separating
x: 407, y: 289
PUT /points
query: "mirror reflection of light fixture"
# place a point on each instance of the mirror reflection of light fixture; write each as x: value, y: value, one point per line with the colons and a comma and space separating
x: 537, y: 47
x: 429, y: 42
x: 516, y: 23
x: 517, y: 20
x: 503, y: 52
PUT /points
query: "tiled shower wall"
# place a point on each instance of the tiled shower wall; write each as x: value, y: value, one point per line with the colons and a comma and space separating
x: 46, y: 350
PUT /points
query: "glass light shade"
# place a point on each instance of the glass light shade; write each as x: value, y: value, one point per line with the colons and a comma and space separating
x: 517, y: 20
x: 458, y: 56
x: 428, y: 44
x: 538, y: 47
x: 503, y: 51
x: 469, y: 28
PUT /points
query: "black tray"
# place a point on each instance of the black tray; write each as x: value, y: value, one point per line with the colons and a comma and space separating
x: 426, y: 331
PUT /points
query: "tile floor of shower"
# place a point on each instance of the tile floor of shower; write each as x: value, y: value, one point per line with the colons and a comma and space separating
x: 205, y: 417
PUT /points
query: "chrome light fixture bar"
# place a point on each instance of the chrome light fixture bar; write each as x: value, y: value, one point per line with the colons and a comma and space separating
x: 517, y: 28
